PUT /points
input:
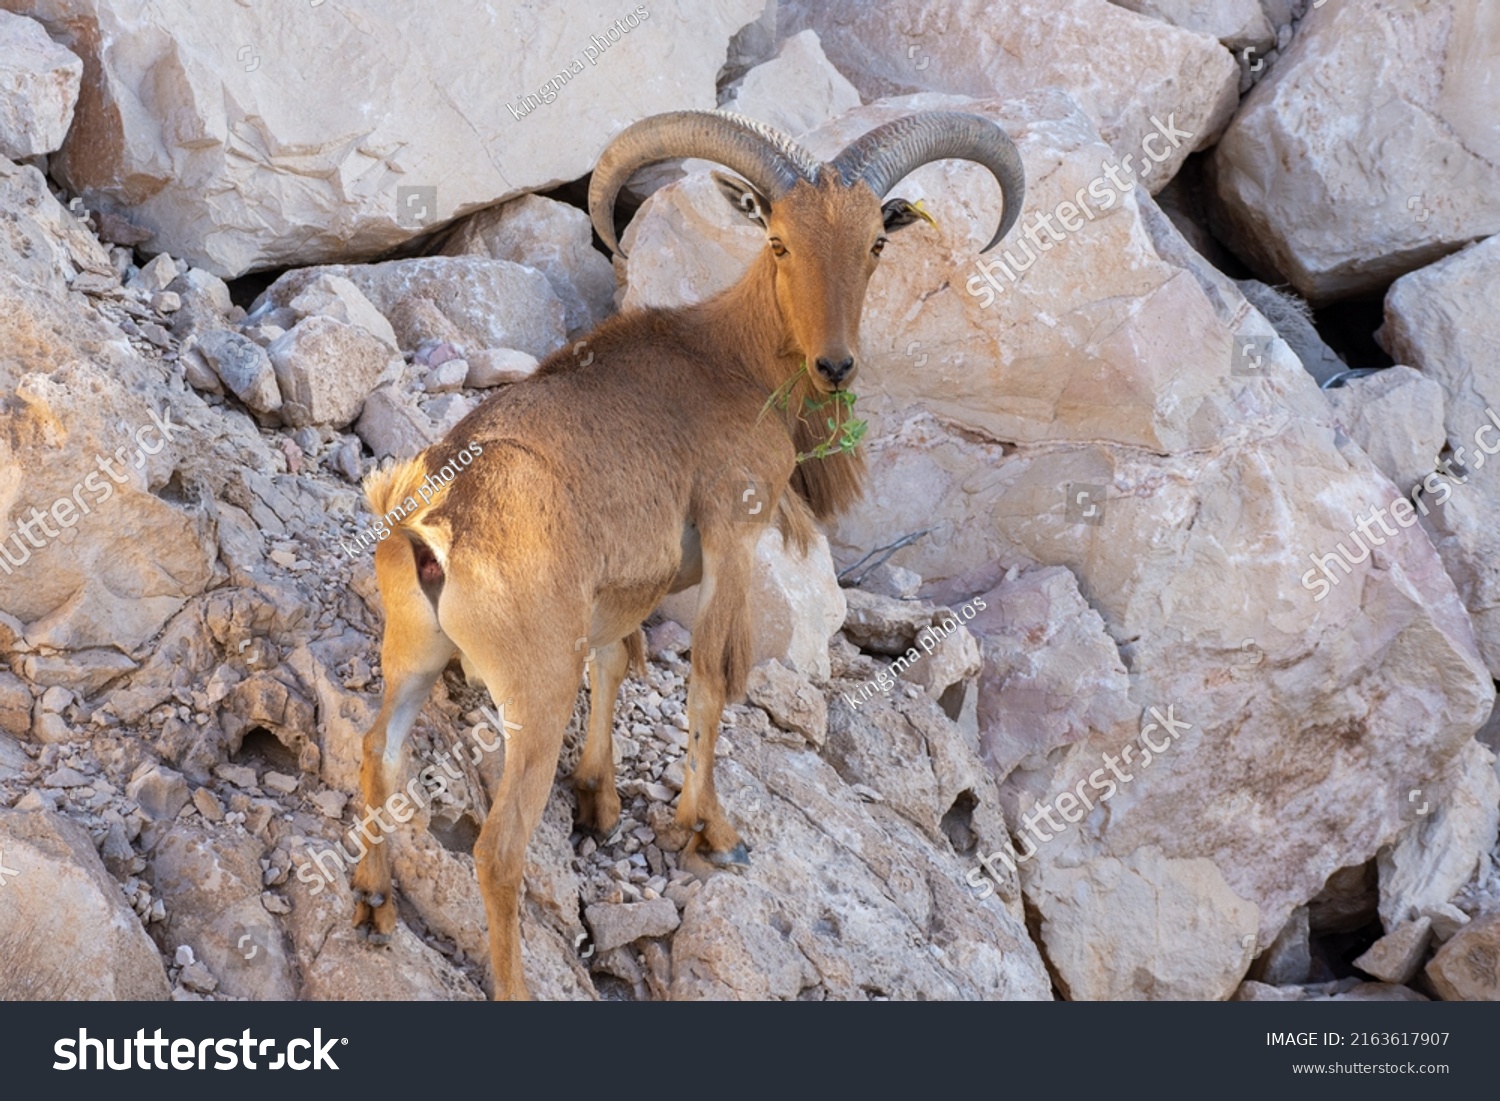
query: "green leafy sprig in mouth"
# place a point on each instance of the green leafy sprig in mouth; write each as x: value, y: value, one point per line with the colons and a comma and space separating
x: 844, y: 432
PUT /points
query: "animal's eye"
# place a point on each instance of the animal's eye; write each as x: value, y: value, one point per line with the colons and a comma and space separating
x: 777, y: 248
x: 876, y: 248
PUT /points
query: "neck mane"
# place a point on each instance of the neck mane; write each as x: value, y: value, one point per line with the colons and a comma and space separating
x: 760, y: 344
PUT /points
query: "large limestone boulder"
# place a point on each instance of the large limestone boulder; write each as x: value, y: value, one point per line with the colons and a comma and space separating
x: 1454, y: 821
x: 1396, y: 415
x: 796, y: 91
x: 795, y: 605
x: 1369, y: 150
x: 859, y: 901
x: 1442, y: 321
x: 1130, y: 73
x: 337, y: 964
x: 39, y: 83
x: 478, y: 302
x: 557, y: 240
x: 1464, y: 969
x: 66, y: 931
x: 1239, y: 24
x: 210, y: 878
x: 96, y: 551
x: 1051, y: 671
x: 1120, y: 410
x: 323, y: 132
x: 325, y: 369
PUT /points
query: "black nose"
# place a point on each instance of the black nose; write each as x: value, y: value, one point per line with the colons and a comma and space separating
x: 835, y: 373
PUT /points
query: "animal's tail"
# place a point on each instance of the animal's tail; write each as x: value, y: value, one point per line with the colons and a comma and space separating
x: 403, y: 496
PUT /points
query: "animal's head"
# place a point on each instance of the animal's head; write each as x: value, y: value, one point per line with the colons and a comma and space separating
x: 825, y: 224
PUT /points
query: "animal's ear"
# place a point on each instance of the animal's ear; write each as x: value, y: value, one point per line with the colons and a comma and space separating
x: 899, y: 213
x: 744, y: 198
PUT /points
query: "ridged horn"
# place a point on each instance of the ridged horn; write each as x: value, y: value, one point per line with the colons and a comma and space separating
x: 887, y: 153
x: 770, y: 160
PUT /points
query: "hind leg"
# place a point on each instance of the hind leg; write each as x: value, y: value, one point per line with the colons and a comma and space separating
x: 594, y: 778
x: 541, y: 685
x: 500, y: 852
x: 413, y: 654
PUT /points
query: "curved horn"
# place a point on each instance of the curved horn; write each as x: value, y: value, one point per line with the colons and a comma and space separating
x: 889, y: 152
x: 770, y: 160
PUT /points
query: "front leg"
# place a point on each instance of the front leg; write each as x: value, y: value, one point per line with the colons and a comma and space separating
x: 721, y: 661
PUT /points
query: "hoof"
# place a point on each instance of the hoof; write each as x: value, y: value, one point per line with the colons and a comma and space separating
x: 737, y: 857
x: 372, y: 938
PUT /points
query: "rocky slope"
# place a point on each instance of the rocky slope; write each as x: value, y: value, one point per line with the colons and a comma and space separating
x: 1130, y: 716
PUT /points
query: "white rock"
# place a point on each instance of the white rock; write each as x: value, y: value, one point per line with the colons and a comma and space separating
x: 1051, y: 672
x: 1454, y: 820
x: 1442, y: 321
x: 1369, y: 150
x: 795, y: 604
x: 1396, y: 956
x: 1396, y: 415
x: 330, y: 295
x: 255, y: 138
x: 554, y: 238
x: 487, y: 303
x: 796, y: 91
x: 391, y: 423
x: 1447, y: 919
x: 498, y: 366
x: 68, y: 929
x: 446, y: 410
x: 615, y: 925
x: 325, y: 370
x: 446, y: 377
x: 792, y: 701
x: 195, y: 284
x: 1236, y: 23
x: 894, y: 581
x: 1181, y: 912
x: 155, y: 276
x: 1464, y: 969
x: 210, y: 881
x: 160, y: 792
x: 1125, y: 71
x: 280, y: 781
x: 243, y: 367
x: 39, y: 82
